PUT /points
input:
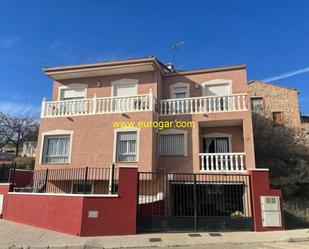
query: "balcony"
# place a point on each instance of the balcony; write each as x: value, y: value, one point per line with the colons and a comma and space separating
x: 222, y: 162
x: 144, y: 102
x: 96, y: 105
x: 197, y: 105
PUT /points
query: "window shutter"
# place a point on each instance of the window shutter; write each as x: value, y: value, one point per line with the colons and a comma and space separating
x: 217, y: 90
x: 73, y: 93
x: 172, y: 145
x: 125, y: 90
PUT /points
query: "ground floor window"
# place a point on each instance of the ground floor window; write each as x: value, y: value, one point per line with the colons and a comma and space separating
x: 56, y: 149
x: 82, y: 188
x: 126, y: 147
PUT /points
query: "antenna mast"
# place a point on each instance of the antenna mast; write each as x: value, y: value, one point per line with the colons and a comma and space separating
x: 174, y: 49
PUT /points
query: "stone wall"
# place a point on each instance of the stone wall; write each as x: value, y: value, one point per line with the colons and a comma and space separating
x: 277, y: 99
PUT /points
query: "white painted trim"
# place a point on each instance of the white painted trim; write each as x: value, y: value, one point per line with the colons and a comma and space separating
x: 72, y: 86
x: 5, y: 184
x: 69, y: 195
x: 128, y: 166
x: 175, y: 131
x: 55, y: 133
x: 173, y: 87
x: 126, y: 129
x: 219, y: 134
x: 257, y: 169
x: 123, y: 82
x: 217, y: 82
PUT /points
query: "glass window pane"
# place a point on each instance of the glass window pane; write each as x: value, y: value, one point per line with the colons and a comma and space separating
x: 126, y: 146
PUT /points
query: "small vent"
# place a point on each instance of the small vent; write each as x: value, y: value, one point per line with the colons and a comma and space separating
x: 215, y: 234
x: 155, y: 240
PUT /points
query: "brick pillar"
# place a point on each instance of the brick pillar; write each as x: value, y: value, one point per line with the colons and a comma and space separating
x: 260, y: 187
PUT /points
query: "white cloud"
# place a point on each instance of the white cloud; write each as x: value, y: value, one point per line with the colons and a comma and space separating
x: 8, y: 41
x: 19, y: 109
x: 286, y: 75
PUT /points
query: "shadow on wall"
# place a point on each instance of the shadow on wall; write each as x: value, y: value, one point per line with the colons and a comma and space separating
x: 285, y: 151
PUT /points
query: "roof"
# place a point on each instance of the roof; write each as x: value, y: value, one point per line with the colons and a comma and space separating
x: 99, y: 64
x: 268, y: 83
x: 207, y: 70
x: 67, y: 71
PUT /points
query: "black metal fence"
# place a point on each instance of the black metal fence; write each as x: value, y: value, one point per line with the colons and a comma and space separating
x: 74, y: 181
x: 178, y: 201
x: 7, y: 172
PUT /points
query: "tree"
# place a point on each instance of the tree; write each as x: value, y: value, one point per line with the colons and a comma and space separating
x: 15, y: 130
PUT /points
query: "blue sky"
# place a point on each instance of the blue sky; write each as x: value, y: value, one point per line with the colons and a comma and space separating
x: 271, y: 37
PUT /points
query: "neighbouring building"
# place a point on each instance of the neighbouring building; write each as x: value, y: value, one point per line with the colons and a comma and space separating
x: 29, y: 149
x: 276, y: 103
x: 187, y: 133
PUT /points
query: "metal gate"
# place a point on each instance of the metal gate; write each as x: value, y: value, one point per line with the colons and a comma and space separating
x: 194, y: 202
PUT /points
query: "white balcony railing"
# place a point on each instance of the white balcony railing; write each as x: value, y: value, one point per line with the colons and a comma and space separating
x: 236, y: 102
x: 97, y: 106
x: 222, y: 162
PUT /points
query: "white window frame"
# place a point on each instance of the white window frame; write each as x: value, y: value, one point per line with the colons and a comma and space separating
x: 55, y: 133
x: 171, y: 132
x: 217, y: 82
x: 174, y: 87
x: 221, y: 135
x: 116, y: 83
x: 71, y: 87
x: 137, y: 130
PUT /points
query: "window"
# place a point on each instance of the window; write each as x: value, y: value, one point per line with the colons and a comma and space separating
x: 125, y: 90
x: 216, y: 144
x: 256, y: 104
x: 179, y: 91
x: 217, y: 89
x: 126, y: 147
x: 56, y: 149
x: 277, y: 118
x: 79, y: 188
x: 70, y: 94
x: 173, y: 142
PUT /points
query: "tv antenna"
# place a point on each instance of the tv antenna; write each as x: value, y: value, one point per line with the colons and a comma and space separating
x: 175, y: 49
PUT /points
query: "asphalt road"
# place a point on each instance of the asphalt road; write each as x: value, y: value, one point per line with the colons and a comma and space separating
x: 274, y: 245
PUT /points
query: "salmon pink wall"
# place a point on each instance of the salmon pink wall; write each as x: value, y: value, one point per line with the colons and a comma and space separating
x: 146, y: 81
x: 238, y: 77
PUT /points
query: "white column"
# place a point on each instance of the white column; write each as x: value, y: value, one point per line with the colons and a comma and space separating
x: 43, y: 107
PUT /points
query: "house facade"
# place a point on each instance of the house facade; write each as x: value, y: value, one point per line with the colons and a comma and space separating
x: 137, y: 146
x: 139, y: 112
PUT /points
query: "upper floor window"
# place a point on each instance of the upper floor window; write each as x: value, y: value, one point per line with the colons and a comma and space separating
x: 72, y: 91
x: 179, y: 90
x: 277, y: 118
x: 256, y: 104
x: 124, y: 87
x: 217, y: 87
